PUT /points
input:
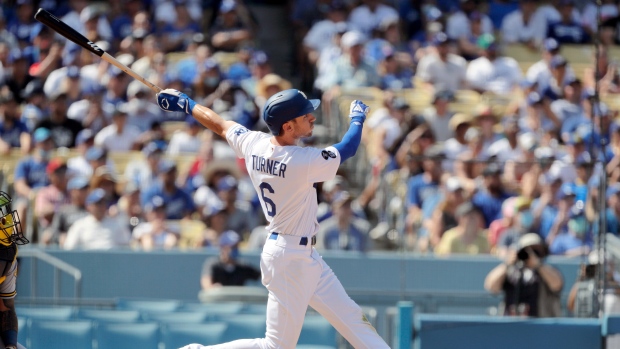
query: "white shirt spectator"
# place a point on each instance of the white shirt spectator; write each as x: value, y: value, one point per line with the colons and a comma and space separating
x: 499, y: 76
x: 453, y: 150
x: 78, y: 166
x: 327, y: 59
x: 550, y: 14
x: 444, y: 76
x: 458, y: 26
x: 90, y: 234
x: 78, y: 111
x: 109, y: 138
x: 365, y: 20
x: 320, y: 35
x: 182, y: 142
x: 73, y: 20
x: 504, y: 152
x: 440, y: 125
x: 589, y: 17
x: 206, y: 197
x: 140, y: 174
x: 53, y: 81
x: 165, y: 12
x: 540, y: 73
x: 514, y: 29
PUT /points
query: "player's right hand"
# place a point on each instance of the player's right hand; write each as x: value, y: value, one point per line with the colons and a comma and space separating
x: 174, y: 100
x: 358, y: 110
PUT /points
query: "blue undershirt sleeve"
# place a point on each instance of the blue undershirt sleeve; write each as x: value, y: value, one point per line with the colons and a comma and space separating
x: 351, y: 139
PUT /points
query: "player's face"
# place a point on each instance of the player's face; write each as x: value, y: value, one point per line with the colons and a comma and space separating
x: 303, y: 126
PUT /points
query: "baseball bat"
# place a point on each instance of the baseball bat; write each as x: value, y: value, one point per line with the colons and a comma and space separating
x: 63, y: 29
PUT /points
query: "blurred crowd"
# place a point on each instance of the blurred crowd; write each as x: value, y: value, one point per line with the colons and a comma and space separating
x: 527, y: 155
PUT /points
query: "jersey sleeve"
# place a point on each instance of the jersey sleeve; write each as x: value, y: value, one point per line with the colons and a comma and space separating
x: 322, y: 163
x: 240, y: 138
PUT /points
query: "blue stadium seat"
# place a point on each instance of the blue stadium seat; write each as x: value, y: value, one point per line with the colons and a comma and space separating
x: 189, y: 317
x: 23, y: 331
x: 178, y: 335
x: 260, y: 309
x: 61, y: 334
x: 45, y: 313
x: 127, y: 336
x: 245, y: 326
x: 104, y: 315
x: 317, y: 331
x: 148, y: 305
x: 215, y: 308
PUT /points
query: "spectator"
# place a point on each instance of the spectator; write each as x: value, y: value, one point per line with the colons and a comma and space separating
x: 470, y: 163
x: 367, y: 16
x: 89, y: 111
x: 188, y: 140
x: 328, y: 57
x: 467, y: 45
x: 208, y: 78
x: 260, y: 66
x: 442, y: 70
x: 97, y: 231
x: 521, y: 224
x: 604, y: 72
x: 438, y: 115
x: 30, y: 173
x: 343, y: 231
x: 467, y: 237
x: 129, y: 206
x: 612, y: 215
x: 458, y: 25
x: 320, y: 36
x: 388, y: 131
x: 570, y: 235
x: 268, y: 86
x: 227, y: 270
x: 523, y: 26
x: 567, y: 30
x: 142, y: 112
x: 74, y: 18
x: 553, y: 195
x: 499, y: 226
x: 143, y: 174
x: 492, y: 72
x: 232, y: 101
x: 530, y: 286
x: 394, y: 74
x: 50, y: 198
x: 35, y: 108
x: 424, y: 186
x: 539, y: 74
x: 352, y: 70
x: 443, y: 217
x: 507, y: 148
x: 229, y: 31
x: 590, y: 14
x: 69, y: 213
x: 239, y: 217
x: 19, y: 76
x: 155, y: 233
x: 80, y: 165
x: 118, y: 136
x: 457, y: 145
x: 178, y: 203
x: 569, y: 109
x: 63, y: 130
x: 583, y: 299
x: 13, y: 132
x: 491, y: 196
x: 177, y: 35
x: 104, y: 178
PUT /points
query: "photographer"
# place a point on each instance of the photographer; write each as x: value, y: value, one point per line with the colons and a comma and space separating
x: 531, y: 288
x: 583, y: 296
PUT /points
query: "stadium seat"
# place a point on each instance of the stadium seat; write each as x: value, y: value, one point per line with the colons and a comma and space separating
x: 260, y: 309
x: 103, y: 315
x: 226, y: 308
x: 178, y: 335
x: 189, y: 317
x: 23, y: 331
x: 127, y: 336
x: 45, y: 313
x: 61, y: 334
x: 245, y: 326
x: 317, y: 331
x: 148, y: 305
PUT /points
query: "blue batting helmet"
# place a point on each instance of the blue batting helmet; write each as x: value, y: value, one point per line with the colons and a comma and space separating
x: 285, y: 106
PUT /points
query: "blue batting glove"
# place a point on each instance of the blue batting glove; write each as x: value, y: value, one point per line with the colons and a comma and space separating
x: 174, y: 100
x: 358, y: 111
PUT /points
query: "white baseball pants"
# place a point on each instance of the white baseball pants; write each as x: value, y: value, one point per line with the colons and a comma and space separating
x: 296, y: 276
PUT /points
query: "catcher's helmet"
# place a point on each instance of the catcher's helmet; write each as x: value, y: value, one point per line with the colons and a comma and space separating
x: 10, y: 225
x: 285, y: 106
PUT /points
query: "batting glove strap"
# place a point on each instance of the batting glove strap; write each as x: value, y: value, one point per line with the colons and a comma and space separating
x: 358, y: 110
x: 173, y: 100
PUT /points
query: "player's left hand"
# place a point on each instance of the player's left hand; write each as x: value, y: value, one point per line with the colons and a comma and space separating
x: 358, y: 110
x: 174, y: 100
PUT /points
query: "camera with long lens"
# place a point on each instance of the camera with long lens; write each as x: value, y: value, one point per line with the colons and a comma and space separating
x: 523, y: 255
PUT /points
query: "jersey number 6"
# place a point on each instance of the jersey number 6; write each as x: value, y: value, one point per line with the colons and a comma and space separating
x: 269, y: 205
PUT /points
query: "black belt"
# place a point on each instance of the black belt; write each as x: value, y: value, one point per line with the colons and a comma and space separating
x: 302, y: 241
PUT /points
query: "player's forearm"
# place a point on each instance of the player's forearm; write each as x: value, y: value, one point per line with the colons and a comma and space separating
x: 211, y: 120
x: 351, y: 140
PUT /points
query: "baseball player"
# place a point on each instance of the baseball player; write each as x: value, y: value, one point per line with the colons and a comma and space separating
x: 10, y: 237
x: 283, y: 175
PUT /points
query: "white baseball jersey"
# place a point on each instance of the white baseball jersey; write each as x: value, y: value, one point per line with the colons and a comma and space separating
x: 284, y: 178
